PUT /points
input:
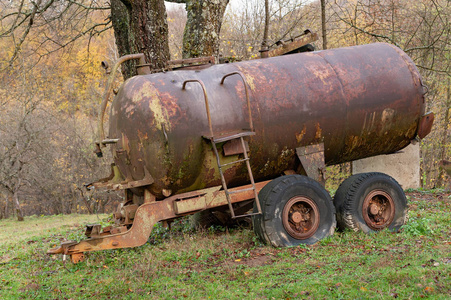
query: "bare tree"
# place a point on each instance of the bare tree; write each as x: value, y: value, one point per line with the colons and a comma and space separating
x: 245, y: 29
x: 140, y: 26
x: 19, y: 145
x: 444, y: 139
x: 176, y: 23
x: 323, y: 23
x: 265, y: 42
x: 22, y: 19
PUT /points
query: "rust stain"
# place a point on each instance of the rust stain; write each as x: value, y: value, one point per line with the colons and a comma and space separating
x: 147, y: 91
x: 141, y: 138
x: 159, y: 113
x: 125, y: 143
x: 319, y: 131
x: 169, y: 102
x: 353, y: 142
x: 300, y: 136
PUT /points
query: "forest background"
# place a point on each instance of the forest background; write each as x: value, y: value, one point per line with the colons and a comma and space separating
x: 52, y: 84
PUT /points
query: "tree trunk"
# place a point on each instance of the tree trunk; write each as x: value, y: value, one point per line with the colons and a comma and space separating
x: 120, y: 19
x: 444, y: 137
x: 18, y: 209
x: 323, y: 23
x: 12, y: 195
x: 2, y: 208
x: 203, y: 26
x: 266, y: 28
x: 140, y: 26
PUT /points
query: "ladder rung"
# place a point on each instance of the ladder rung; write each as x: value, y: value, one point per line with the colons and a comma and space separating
x: 248, y: 215
x: 228, y: 137
x: 240, y: 191
x: 234, y: 162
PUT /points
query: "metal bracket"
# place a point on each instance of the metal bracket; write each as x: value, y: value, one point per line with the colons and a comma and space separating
x: 234, y: 147
x: 312, y: 160
x: 116, y: 181
x: 425, y: 125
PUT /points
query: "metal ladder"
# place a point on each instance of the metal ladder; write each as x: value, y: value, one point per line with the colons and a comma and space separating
x: 227, y: 137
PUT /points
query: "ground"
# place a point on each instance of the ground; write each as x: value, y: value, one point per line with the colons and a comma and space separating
x: 233, y: 264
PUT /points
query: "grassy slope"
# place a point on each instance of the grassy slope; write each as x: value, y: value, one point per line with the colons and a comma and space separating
x: 412, y: 264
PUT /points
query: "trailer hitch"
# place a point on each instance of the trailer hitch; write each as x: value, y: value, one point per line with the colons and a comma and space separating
x: 146, y: 217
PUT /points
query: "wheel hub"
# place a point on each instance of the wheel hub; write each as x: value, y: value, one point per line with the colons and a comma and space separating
x: 300, y: 217
x: 378, y: 209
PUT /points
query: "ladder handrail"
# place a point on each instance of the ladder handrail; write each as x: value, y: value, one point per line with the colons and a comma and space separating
x: 246, y: 90
x: 207, y: 107
x: 212, y: 138
x: 251, y: 177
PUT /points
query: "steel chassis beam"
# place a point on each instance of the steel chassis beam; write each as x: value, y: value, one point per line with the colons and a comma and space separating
x: 148, y: 214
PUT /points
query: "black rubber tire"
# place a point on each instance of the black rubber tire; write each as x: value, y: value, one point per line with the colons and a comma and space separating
x: 277, y: 194
x: 350, y: 196
x: 257, y: 220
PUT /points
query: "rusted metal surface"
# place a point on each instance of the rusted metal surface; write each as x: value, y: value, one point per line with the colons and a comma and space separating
x: 378, y: 209
x: 188, y: 205
x: 146, y: 217
x: 115, y: 180
x: 300, y: 217
x: 77, y: 257
x: 288, y: 46
x: 106, y: 96
x: 207, y: 106
x: 359, y: 102
x: 191, y: 63
x: 425, y: 126
x: 234, y: 147
x: 93, y: 230
x: 246, y: 93
x: 312, y: 160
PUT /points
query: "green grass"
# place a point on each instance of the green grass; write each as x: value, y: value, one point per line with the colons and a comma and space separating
x: 232, y: 264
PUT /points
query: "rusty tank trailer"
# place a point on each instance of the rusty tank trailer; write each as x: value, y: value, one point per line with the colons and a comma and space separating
x: 192, y: 140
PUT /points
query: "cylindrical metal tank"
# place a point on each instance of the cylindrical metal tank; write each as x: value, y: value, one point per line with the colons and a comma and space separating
x: 359, y: 101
